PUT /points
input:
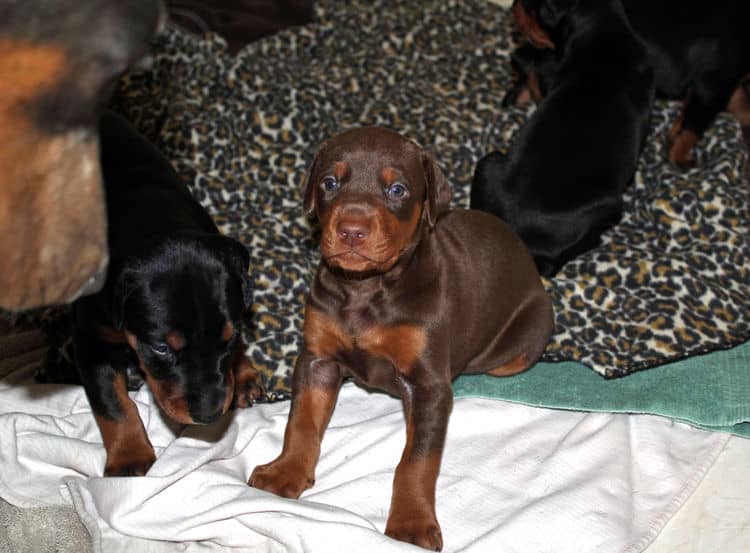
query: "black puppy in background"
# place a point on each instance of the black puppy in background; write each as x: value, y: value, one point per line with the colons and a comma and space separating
x: 172, y: 304
x: 700, y: 53
x: 560, y: 185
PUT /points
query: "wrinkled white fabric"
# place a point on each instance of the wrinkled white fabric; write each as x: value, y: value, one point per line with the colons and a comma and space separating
x: 513, y: 478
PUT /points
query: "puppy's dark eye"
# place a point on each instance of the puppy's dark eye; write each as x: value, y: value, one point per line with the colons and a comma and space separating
x: 396, y: 190
x: 162, y: 350
x: 330, y: 184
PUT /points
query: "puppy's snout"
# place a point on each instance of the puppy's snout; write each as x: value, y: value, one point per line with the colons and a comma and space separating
x: 353, y: 232
x: 207, y: 417
x: 211, y: 404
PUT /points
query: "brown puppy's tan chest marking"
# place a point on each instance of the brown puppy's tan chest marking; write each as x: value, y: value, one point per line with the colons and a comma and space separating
x: 401, y: 344
x: 323, y: 335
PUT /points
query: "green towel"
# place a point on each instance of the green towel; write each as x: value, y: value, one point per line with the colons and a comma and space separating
x: 709, y: 391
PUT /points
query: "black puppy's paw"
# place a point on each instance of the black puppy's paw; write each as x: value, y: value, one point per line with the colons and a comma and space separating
x: 518, y: 96
x: 248, y: 387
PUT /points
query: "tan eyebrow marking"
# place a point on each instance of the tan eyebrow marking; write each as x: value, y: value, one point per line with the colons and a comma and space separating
x: 341, y: 170
x: 389, y: 175
x: 176, y: 340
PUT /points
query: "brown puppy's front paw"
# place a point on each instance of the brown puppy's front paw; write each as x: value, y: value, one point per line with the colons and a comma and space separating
x: 129, y: 464
x: 422, y: 531
x: 283, y: 478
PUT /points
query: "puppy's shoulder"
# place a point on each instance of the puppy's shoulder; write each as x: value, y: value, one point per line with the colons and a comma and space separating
x: 475, y: 230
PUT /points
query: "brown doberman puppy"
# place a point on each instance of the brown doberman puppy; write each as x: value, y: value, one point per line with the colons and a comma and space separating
x: 408, y: 296
x: 58, y: 64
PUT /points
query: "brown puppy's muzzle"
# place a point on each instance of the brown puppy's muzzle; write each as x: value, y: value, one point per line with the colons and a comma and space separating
x: 355, y: 238
x: 353, y: 230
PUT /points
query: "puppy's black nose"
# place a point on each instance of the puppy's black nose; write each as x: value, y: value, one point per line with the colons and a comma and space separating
x: 353, y: 232
x: 206, y: 417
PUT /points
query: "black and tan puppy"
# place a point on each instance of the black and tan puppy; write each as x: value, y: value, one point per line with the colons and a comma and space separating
x: 59, y: 62
x: 699, y: 51
x: 172, y: 304
x: 408, y: 296
x: 560, y: 185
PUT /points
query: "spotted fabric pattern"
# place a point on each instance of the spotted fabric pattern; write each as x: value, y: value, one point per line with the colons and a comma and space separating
x: 671, y: 280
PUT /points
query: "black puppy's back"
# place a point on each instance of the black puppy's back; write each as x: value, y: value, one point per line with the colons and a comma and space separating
x: 561, y: 183
x: 146, y: 200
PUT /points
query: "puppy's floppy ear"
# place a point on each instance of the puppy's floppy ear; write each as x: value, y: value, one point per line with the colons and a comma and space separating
x: 438, y: 191
x: 237, y: 259
x: 310, y: 189
x: 124, y: 286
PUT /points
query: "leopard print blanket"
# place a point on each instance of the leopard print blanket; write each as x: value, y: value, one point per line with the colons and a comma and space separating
x: 670, y: 281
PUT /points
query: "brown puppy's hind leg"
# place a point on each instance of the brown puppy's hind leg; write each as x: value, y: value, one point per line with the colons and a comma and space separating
x: 524, y: 340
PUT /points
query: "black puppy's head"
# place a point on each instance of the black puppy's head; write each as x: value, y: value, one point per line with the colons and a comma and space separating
x: 371, y: 188
x: 181, y: 312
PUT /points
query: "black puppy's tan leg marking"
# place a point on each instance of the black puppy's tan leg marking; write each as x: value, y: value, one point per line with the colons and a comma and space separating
x: 680, y: 141
x: 247, y: 384
x: 129, y: 451
x: 412, y: 515
x: 531, y: 92
x: 706, y: 99
x: 681, y: 148
x: 739, y: 102
x: 315, y: 388
x: 535, y: 89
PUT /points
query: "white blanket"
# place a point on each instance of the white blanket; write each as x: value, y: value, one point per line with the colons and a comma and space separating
x: 513, y: 478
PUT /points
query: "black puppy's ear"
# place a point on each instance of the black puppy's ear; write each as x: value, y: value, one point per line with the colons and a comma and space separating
x: 123, y: 287
x: 438, y: 191
x: 237, y: 259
